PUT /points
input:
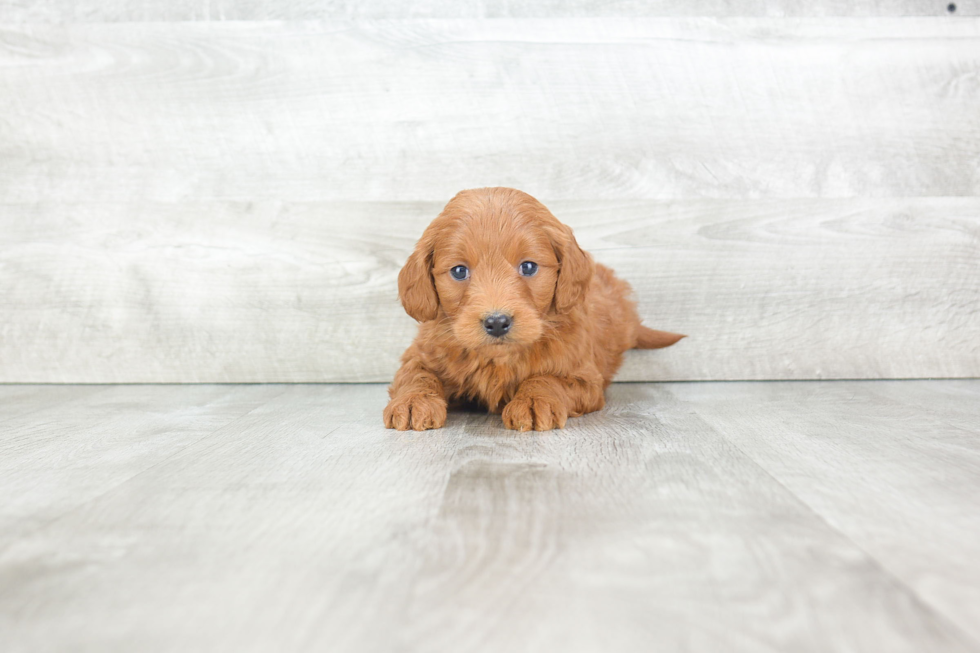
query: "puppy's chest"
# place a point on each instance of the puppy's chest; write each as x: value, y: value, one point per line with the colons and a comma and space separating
x: 487, y: 381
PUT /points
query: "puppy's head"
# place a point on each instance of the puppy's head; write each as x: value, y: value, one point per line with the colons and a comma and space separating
x: 498, y: 264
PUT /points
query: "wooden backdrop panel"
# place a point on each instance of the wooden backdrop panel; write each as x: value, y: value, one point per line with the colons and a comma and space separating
x: 231, y: 201
x: 562, y: 108
x: 218, y: 10
x: 266, y: 291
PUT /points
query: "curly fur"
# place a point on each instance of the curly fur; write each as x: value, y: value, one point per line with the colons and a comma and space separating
x: 572, y: 320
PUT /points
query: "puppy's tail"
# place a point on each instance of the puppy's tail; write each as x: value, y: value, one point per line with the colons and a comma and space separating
x: 653, y: 339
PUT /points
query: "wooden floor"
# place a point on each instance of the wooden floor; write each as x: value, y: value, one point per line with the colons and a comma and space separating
x: 784, y: 516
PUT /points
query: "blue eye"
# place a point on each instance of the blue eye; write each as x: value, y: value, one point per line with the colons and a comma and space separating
x: 460, y: 273
x: 528, y: 268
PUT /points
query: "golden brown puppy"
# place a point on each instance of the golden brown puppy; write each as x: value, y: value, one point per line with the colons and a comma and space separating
x: 514, y: 315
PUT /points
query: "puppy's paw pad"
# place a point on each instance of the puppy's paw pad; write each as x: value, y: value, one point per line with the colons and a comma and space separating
x: 535, y: 413
x: 415, y: 411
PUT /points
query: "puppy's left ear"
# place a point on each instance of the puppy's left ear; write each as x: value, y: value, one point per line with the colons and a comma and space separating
x: 416, y: 289
x: 575, y: 272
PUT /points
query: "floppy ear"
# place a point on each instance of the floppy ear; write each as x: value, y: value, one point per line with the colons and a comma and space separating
x: 416, y: 288
x: 575, y: 272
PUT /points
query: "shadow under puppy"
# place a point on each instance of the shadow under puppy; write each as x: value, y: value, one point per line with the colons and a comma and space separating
x: 514, y: 316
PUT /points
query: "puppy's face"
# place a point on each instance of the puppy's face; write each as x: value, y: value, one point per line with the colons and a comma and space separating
x: 495, y: 276
x: 498, y: 264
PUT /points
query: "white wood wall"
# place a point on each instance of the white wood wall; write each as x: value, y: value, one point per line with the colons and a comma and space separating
x: 231, y: 201
x: 59, y: 11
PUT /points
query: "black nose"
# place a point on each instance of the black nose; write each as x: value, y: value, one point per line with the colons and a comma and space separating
x: 497, y: 324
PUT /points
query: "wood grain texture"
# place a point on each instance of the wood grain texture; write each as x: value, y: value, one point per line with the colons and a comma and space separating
x: 305, y: 512
x: 613, y: 108
x: 301, y: 524
x: 59, y: 11
x: 230, y: 202
x: 868, y: 456
x: 80, y: 447
x: 253, y: 292
x: 610, y: 536
x: 20, y: 400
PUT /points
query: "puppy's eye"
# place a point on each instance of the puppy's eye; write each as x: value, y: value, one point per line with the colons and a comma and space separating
x: 528, y: 268
x: 460, y: 273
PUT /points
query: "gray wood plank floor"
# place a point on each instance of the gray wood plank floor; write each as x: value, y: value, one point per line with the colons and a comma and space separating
x: 778, y: 516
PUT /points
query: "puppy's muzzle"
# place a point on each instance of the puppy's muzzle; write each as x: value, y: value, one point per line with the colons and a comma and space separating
x: 497, y: 325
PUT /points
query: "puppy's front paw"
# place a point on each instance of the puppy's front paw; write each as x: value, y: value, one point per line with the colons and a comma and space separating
x: 415, y: 411
x: 541, y: 413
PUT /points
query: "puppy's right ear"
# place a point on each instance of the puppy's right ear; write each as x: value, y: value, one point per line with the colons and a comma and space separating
x: 416, y: 288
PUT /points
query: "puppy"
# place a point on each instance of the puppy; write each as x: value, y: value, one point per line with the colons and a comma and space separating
x: 514, y: 316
